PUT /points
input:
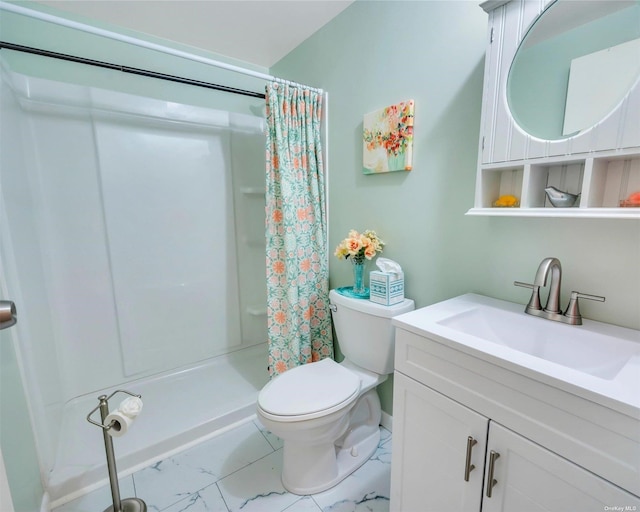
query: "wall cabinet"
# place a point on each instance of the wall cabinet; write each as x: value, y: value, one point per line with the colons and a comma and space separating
x: 601, y: 163
x: 458, y: 448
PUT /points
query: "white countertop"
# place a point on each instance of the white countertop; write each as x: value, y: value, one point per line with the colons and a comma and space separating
x: 614, y: 381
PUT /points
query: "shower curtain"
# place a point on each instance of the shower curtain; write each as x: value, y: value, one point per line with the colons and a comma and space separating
x: 298, y: 317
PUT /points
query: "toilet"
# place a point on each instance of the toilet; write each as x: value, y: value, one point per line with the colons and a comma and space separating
x: 328, y: 413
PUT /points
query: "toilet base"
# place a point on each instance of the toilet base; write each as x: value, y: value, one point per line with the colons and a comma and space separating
x: 346, y: 461
x: 309, y: 467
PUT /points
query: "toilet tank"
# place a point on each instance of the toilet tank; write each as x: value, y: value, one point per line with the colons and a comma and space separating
x: 364, y: 330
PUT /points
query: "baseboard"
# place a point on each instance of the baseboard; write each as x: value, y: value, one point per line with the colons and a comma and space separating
x: 387, y: 421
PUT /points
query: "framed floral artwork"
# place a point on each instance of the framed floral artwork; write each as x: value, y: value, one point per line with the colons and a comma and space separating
x: 388, y: 139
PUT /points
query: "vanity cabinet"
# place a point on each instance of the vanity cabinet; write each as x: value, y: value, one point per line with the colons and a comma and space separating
x: 601, y: 162
x: 461, y: 424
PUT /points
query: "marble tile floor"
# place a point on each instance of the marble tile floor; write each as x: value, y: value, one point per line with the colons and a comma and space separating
x: 239, y: 470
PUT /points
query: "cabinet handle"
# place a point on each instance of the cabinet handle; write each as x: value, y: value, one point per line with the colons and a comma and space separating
x: 468, y: 467
x: 492, y: 463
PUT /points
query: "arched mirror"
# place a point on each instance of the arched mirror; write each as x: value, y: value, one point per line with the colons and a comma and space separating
x: 574, y: 66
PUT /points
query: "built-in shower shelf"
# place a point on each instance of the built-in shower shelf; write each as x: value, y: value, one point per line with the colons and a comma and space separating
x: 257, y: 310
x: 253, y: 191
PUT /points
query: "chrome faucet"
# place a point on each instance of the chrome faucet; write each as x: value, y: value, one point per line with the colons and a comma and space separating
x: 550, y: 265
x: 552, y: 310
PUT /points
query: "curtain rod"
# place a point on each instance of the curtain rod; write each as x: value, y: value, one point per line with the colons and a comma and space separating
x: 17, y: 9
x: 128, y: 69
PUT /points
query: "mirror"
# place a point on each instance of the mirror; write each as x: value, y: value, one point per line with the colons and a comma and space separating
x: 574, y: 66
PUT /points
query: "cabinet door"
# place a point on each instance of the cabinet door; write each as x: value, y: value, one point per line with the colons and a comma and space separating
x: 529, y: 478
x: 508, y: 24
x: 430, y: 438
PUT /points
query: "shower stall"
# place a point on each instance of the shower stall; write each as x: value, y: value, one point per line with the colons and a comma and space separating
x: 133, y: 246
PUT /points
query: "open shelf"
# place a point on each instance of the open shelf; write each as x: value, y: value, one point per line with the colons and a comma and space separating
x: 584, y: 213
x: 613, y: 180
x: 601, y: 181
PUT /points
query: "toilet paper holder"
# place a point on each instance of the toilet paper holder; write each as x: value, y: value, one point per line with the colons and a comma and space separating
x: 104, y: 401
x: 128, y: 504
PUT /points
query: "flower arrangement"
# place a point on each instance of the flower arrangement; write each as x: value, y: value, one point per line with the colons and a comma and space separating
x: 359, y: 246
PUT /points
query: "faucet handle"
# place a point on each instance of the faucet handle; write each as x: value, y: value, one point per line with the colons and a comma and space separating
x: 573, y: 309
x: 534, y: 301
x: 580, y: 295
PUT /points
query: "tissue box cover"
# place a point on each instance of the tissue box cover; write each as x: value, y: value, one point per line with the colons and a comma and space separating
x: 386, y: 288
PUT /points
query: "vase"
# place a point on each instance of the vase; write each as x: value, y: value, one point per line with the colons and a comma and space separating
x: 358, y: 277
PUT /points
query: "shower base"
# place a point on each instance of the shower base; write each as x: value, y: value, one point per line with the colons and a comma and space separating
x: 180, y: 409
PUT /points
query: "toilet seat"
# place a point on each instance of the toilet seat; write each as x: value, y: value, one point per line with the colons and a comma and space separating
x: 309, y: 391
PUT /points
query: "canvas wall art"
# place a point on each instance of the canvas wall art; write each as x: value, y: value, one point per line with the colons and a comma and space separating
x: 388, y: 139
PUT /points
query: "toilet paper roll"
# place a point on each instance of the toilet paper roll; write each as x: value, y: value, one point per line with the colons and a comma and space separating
x: 122, y: 423
x: 131, y: 406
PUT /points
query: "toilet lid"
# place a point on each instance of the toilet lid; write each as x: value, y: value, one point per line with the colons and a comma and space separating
x: 309, y: 389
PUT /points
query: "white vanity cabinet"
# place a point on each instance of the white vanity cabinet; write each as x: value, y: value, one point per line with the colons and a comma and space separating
x: 457, y: 417
x: 601, y: 162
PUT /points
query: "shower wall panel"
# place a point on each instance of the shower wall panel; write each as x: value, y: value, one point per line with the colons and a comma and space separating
x: 122, y: 220
x: 134, y: 207
x: 169, y: 216
x: 137, y: 221
x: 77, y: 277
x: 132, y: 235
x: 247, y: 147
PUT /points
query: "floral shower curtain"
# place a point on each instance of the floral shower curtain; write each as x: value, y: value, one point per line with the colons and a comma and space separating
x: 298, y: 316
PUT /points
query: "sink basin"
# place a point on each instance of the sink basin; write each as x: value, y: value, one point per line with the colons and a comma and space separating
x: 603, y: 358
x: 480, y: 337
x: 584, y: 350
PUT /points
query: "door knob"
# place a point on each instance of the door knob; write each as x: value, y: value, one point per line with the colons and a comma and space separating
x: 7, y: 314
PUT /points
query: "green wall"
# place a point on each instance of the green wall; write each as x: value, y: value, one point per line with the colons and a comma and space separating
x: 16, y: 436
x: 377, y: 53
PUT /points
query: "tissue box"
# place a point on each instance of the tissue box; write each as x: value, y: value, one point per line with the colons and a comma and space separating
x: 386, y: 288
